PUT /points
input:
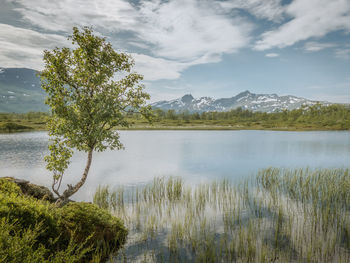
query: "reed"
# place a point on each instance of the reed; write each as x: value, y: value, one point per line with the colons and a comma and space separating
x: 280, y: 215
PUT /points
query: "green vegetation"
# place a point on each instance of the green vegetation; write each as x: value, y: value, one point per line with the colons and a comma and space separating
x: 20, y: 245
x: 34, y: 230
x: 87, y: 103
x: 317, y: 117
x: 280, y: 215
x: 14, y: 122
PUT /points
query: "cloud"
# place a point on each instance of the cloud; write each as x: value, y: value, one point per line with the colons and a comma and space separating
x: 159, y: 68
x: 62, y: 15
x: 272, y: 55
x: 310, y: 19
x: 343, y: 53
x: 24, y: 48
x: 188, y: 30
x: 317, y: 46
x: 175, y: 34
x: 265, y: 9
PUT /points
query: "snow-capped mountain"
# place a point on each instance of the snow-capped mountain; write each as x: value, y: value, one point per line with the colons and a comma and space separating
x: 245, y: 100
x: 20, y: 91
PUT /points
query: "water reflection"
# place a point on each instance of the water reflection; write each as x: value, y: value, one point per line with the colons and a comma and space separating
x: 194, y: 155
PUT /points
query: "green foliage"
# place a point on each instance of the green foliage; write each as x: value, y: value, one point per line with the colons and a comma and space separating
x: 29, y: 116
x: 11, y: 127
x: 27, y: 211
x: 9, y: 188
x: 18, y: 244
x: 12, y: 122
x: 335, y: 117
x: 107, y: 232
x: 77, y: 230
x: 87, y: 102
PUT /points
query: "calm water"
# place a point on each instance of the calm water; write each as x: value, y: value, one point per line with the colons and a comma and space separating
x: 194, y: 155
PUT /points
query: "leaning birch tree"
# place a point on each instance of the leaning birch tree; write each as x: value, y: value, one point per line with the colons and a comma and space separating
x: 90, y: 89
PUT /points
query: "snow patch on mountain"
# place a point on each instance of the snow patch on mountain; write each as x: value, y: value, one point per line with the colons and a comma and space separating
x: 245, y: 100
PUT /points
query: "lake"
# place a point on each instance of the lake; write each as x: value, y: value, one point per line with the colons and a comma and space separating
x: 197, y: 156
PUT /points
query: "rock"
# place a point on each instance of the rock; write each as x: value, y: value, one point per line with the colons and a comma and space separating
x: 34, y: 190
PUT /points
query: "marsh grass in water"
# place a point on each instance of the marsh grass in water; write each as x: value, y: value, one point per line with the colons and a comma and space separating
x: 280, y: 215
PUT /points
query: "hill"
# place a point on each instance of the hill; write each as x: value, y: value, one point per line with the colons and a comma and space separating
x: 20, y: 91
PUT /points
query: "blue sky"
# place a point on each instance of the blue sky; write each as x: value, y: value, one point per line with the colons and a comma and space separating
x: 206, y: 48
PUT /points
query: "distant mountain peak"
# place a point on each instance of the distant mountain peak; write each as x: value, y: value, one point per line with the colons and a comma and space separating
x: 244, y: 93
x: 187, y: 98
x: 245, y: 100
x: 20, y: 91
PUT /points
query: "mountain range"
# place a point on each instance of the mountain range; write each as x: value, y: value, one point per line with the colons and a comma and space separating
x: 20, y: 91
x: 246, y: 100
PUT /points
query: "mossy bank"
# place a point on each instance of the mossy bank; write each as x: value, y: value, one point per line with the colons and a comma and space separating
x: 33, y: 229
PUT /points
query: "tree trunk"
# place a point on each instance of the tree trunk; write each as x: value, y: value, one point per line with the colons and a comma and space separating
x: 73, y: 189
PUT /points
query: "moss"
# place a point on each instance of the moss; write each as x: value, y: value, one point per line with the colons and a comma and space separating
x: 80, y: 223
x: 107, y: 232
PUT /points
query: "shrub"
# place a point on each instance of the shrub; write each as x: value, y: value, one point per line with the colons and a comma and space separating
x: 77, y: 230
x: 84, y: 219
x: 8, y: 187
x: 27, y: 211
x: 20, y: 245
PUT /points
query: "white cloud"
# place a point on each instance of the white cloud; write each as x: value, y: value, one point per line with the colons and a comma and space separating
x: 188, y: 30
x: 267, y: 9
x: 64, y: 14
x: 24, y: 48
x: 310, y: 19
x: 272, y: 55
x: 317, y: 46
x: 177, y: 33
x: 157, y: 68
x: 343, y: 53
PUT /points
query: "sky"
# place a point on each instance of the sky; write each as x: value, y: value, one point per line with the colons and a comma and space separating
x: 215, y: 48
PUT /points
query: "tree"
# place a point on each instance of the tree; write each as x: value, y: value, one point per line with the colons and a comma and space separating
x: 88, y: 102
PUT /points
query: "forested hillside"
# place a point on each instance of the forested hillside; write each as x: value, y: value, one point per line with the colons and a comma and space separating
x: 317, y: 117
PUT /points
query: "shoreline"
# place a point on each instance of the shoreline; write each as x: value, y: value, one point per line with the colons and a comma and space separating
x: 199, y: 128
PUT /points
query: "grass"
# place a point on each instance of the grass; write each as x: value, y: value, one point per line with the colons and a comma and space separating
x: 317, y: 117
x: 299, y: 215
